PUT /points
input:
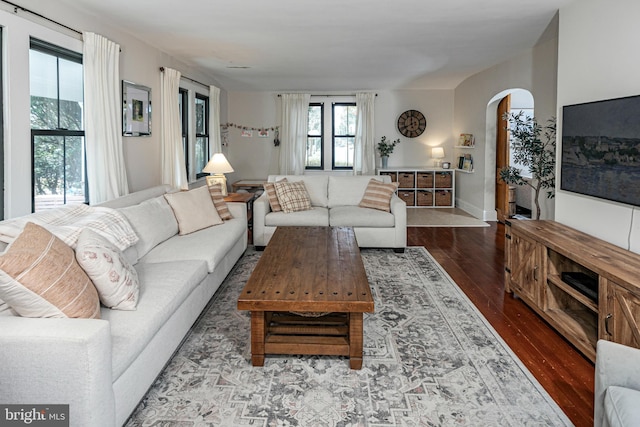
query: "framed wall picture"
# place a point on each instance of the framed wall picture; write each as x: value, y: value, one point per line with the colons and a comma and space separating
x: 136, y: 109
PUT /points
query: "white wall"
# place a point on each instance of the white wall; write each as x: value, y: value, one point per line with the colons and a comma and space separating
x: 476, y: 100
x: 139, y: 63
x: 597, y: 60
x: 257, y: 157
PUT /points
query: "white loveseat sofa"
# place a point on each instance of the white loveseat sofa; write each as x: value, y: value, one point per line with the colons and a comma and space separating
x: 102, y: 368
x: 334, y: 201
x: 617, y: 385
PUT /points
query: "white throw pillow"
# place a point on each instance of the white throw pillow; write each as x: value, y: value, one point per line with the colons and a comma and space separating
x: 193, y: 209
x: 113, y: 276
x: 153, y: 221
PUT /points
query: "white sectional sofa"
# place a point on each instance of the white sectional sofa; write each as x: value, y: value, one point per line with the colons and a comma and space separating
x: 334, y: 201
x: 102, y: 368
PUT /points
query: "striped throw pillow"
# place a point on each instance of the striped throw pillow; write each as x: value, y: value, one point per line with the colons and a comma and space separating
x: 293, y: 196
x: 215, y: 191
x: 40, y: 277
x: 378, y: 195
x: 270, y: 189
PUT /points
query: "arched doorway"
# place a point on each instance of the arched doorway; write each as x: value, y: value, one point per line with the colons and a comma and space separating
x: 497, y: 153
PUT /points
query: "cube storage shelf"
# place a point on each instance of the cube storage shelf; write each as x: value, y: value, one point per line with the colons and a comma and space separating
x: 424, y: 188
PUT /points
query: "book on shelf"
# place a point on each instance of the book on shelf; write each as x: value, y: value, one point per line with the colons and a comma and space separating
x: 467, y: 163
x: 466, y: 140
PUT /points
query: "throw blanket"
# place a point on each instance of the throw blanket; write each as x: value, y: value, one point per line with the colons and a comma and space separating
x: 67, y: 222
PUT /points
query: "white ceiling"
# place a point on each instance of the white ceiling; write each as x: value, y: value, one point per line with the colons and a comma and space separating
x: 333, y: 45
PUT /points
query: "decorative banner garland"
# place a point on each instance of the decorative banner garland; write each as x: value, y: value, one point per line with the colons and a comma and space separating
x: 276, y: 140
x: 234, y: 125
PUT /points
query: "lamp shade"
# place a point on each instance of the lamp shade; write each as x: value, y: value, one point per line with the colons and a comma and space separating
x: 437, y: 153
x: 218, y: 165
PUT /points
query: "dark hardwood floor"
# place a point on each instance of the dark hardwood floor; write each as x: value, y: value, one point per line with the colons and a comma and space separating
x: 474, y: 258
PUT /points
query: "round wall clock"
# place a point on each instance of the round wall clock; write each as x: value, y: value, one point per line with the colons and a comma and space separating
x: 412, y: 123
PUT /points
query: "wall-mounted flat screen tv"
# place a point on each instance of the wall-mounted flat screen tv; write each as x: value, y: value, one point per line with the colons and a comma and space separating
x: 601, y: 149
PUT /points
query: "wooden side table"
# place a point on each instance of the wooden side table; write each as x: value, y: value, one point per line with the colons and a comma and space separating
x: 249, y: 184
x: 247, y: 198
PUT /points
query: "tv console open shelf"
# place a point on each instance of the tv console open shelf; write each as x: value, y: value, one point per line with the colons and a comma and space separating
x: 537, y: 253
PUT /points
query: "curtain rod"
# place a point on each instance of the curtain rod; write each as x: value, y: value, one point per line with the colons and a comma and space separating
x: 24, y: 9
x: 186, y: 78
x: 332, y: 95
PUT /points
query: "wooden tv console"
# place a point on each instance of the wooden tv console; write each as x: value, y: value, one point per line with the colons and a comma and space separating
x: 536, y: 255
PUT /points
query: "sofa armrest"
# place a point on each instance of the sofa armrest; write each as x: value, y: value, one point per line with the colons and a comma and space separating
x: 399, y: 211
x: 58, y: 361
x: 238, y: 210
x: 617, y: 365
x: 261, y: 208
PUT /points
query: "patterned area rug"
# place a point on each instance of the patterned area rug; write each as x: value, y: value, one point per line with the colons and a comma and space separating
x: 430, y: 359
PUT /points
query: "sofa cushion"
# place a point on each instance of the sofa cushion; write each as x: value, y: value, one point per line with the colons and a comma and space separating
x: 163, y: 288
x: 40, y: 277
x: 270, y: 189
x: 113, y: 276
x: 349, y: 190
x: 316, y: 216
x: 193, y: 209
x: 210, y: 244
x: 215, y: 191
x: 153, y: 221
x: 377, y: 195
x: 621, y: 406
x: 354, y: 216
x: 293, y: 196
x: 316, y: 185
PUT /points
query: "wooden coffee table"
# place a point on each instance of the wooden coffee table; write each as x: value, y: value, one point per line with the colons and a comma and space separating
x: 307, y: 295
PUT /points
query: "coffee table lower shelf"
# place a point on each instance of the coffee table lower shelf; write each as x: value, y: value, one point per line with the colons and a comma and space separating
x: 332, y: 334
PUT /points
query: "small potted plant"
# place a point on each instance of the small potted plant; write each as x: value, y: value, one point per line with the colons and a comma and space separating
x: 385, y: 148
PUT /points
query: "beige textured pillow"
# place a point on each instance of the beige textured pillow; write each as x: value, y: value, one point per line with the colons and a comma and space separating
x: 114, y: 278
x: 215, y: 191
x: 293, y: 196
x: 193, y: 209
x: 270, y: 189
x: 378, y: 195
x: 40, y: 277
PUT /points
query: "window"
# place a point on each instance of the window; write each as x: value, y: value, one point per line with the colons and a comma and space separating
x: 201, y: 149
x: 57, y: 128
x: 340, y: 123
x: 314, y: 158
x: 183, y: 106
x: 344, y: 135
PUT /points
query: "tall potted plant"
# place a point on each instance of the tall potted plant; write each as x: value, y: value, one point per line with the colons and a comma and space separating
x: 385, y: 148
x: 536, y: 153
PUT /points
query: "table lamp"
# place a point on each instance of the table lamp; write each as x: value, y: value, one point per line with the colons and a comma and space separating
x: 218, y: 166
x: 437, y: 153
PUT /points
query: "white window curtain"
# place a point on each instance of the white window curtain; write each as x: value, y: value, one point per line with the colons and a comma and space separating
x: 106, y: 172
x: 293, y: 141
x: 214, y: 120
x: 364, y: 162
x: 174, y: 170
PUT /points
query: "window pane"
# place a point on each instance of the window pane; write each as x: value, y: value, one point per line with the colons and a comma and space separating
x: 343, y: 152
x: 57, y: 181
x: 43, y: 83
x: 201, y: 153
x: 344, y: 119
x: 71, y: 96
x: 315, y: 120
x: 314, y: 152
x: 201, y: 113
